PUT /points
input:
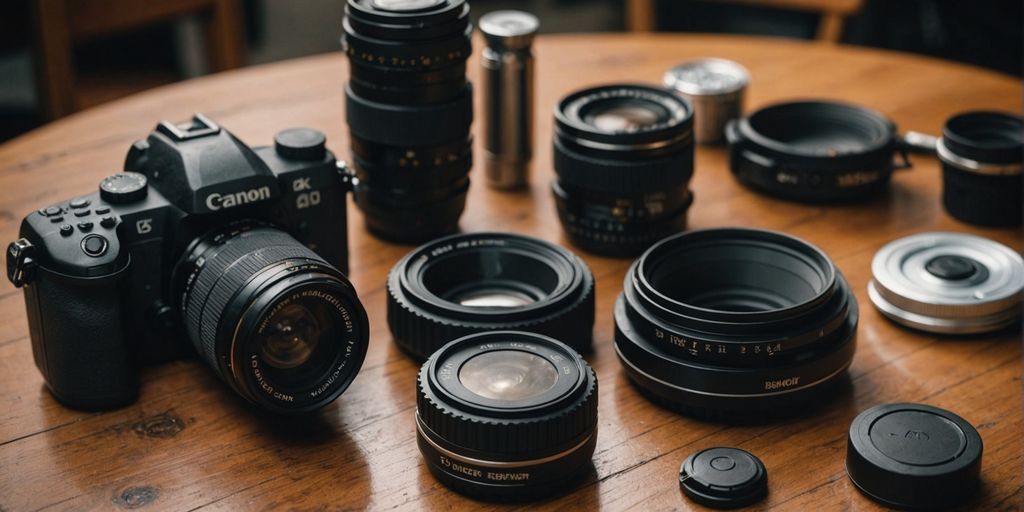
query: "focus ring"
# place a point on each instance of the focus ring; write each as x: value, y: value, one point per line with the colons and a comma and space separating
x: 421, y: 333
x: 398, y: 125
x: 623, y: 176
x: 508, y: 437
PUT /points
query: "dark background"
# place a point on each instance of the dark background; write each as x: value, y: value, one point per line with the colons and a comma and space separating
x: 984, y: 32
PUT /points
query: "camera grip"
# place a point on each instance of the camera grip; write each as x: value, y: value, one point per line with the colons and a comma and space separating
x: 78, y: 340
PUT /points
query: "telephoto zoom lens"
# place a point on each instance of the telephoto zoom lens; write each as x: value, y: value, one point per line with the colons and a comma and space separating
x: 409, y: 108
x: 506, y: 416
x: 735, y: 324
x: 623, y: 155
x: 275, y: 321
x: 475, y: 282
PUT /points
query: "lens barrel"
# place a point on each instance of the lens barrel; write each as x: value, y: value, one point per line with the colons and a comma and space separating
x: 506, y: 416
x: 623, y: 155
x: 982, y: 156
x: 467, y: 283
x: 409, y: 108
x: 276, y: 322
x: 735, y: 324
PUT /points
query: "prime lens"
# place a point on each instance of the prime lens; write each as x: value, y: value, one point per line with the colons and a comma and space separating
x: 275, y: 321
x: 982, y: 156
x: 506, y: 416
x: 474, y: 282
x: 409, y: 108
x: 735, y: 323
x: 623, y: 155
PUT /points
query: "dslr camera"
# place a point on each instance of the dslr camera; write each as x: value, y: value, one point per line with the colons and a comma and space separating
x: 242, y: 251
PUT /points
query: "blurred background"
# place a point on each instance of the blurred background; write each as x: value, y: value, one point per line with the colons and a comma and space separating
x: 61, y: 56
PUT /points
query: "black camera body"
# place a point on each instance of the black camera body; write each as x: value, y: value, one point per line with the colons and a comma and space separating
x: 100, y: 272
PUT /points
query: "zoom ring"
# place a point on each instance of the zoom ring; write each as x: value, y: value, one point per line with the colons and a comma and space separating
x: 508, y: 437
x: 217, y: 281
x: 421, y: 333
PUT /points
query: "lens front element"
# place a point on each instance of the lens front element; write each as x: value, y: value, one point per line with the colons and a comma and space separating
x: 508, y: 375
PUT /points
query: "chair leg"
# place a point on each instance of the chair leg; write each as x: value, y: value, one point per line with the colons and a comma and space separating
x: 54, y: 63
x: 224, y: 40
x: 830, y: 29
x: 640, y: 15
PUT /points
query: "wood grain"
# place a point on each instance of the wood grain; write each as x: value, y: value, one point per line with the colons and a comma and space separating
x: 190, y: 443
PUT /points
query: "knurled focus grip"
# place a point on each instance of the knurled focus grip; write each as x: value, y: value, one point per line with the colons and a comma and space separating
x: 409, y: 126
x: 639, y: 175
x: 420, y: 332
x: 502, y: 435
x: 982, y: 199
x: 226, y: 269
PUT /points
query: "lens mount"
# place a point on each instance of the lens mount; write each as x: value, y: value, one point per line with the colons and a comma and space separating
x: 468, y: 283
x: 948, y: 283
x: 281, y: 326
x: 731, y: 322
x: 814, y: 151
x: 506, y: 415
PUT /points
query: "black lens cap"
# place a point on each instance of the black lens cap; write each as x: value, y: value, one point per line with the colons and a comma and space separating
x: 914, y: 456
x: 723, y: 478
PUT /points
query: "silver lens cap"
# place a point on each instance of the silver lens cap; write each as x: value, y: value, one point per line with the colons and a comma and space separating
x: 949, y: 283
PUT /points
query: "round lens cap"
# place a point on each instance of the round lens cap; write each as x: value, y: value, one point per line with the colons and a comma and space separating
x: 723, y: 478
x: 914, y: 456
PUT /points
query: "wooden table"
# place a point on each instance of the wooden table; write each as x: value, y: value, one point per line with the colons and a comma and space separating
x: 191, y: 443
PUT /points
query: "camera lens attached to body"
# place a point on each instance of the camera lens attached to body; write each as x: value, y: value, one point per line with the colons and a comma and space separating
x: 281, y: 326
x: 623, y: 155
x: 814, y: 151
x: 475, y: 282
x: 506, y: 416
x: 409, y: 108
x: 949, y: 283
x: 735, y: 323
x: 982, y: 156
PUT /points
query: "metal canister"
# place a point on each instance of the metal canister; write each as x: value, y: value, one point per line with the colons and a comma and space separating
x: 715, y: 87
x: 508, y: 90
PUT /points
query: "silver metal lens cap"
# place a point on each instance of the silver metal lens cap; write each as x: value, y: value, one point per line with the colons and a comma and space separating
x: 950, y: 283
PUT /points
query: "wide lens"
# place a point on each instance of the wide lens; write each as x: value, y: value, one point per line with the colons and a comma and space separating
x: 276, y: 322
x: 409, y: 108
x: 506, y: 416
x: 624, y: 158
x: 735, y: 324
x: 469, y: 283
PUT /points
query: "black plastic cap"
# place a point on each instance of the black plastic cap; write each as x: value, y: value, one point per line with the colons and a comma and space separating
x: 304, y: 144
x: 724, y: 478
x: 914, y: 456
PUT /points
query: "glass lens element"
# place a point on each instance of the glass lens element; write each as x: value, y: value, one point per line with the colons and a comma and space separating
x: 406, y: 5
x: 491, y: 298
x: 291, y: 337
x: 508, y: 375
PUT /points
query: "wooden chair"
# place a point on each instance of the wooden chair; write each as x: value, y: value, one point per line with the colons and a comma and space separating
x: 640, y: 13
x: 59, y: 24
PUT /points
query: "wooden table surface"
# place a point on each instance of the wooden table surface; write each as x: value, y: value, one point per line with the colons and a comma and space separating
x: 190, y: 443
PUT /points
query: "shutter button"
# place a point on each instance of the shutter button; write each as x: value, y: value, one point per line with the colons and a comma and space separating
x: 94, y: 245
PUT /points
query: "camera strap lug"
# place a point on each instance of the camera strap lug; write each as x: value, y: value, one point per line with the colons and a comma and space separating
x: 348, y: 178
x: 21, y: 268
